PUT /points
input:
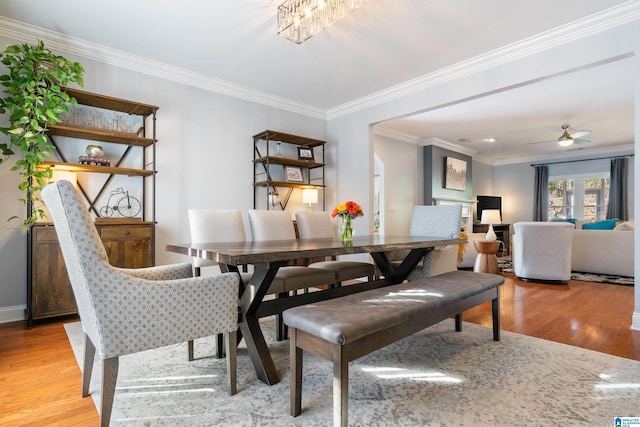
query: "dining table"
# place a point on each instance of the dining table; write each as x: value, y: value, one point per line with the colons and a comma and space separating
x: 267, y: 257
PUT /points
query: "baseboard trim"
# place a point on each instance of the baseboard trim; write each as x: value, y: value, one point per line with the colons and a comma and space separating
x: 12, y: 314
x: 635, y: 321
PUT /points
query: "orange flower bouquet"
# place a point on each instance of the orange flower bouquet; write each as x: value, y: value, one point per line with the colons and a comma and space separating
x: 347, y: 211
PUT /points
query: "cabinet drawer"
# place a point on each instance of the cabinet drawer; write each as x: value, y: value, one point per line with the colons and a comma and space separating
x: 45, y: 234
x: 129, y: 232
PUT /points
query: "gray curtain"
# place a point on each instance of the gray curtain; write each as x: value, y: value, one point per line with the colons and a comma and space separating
x: 617, y: 206
x: 541, y: 194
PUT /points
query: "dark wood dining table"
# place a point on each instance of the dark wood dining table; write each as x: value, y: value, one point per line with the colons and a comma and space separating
x: 268, y: 256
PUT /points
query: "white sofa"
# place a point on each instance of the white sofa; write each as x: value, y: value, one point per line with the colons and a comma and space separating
x: 602, y: 252
x: 592, y: 251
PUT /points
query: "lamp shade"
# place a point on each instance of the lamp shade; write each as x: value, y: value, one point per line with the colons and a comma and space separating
x: 490, y: 216
x: 59, y: 175
x: 309, y: 195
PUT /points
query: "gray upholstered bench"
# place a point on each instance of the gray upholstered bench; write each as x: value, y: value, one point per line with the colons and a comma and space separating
x: 346, y: 328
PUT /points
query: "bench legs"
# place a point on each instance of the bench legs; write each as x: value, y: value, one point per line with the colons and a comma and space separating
x: 495, y: 314
x: 295, y: 359
x: 340, y: 387
x: 340, y: 381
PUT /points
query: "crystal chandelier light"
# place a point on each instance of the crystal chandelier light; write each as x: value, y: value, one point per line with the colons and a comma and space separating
x: 300, y: 19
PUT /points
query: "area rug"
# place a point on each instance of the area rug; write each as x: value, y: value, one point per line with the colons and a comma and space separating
x: 437, y: 377
x: 505, y: 265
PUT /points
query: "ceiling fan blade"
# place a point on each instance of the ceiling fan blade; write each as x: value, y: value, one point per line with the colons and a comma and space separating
x: 541, y: 142
x: 580, y: 134
x: 579, y: 141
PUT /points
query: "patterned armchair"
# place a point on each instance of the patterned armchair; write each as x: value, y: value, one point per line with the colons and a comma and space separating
x: 441, y: 221
x: 125, y: 311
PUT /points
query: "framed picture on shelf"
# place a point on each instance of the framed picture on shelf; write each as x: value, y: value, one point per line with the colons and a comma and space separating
x: 293, y: 174
x: 456, y: 174
x: 305, y: 153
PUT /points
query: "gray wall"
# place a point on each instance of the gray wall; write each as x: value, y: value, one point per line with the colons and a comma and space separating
x: 482, y: 180
x: 434, y: 175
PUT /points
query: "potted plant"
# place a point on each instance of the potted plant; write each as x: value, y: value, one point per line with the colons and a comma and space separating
x: 35, y: 97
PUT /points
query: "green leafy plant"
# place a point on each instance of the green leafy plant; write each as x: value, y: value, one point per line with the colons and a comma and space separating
x: 34, y: 98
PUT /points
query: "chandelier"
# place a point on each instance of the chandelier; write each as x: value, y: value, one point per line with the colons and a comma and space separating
x: 300, y: 19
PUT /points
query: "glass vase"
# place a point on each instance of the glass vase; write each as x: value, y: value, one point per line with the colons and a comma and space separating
x: 346, y: 230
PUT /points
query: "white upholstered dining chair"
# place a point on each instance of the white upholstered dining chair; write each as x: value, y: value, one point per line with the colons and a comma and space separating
x: 317, y: 225
x: 126, y: 311
x: 278, y: 225
x: 214, y: 226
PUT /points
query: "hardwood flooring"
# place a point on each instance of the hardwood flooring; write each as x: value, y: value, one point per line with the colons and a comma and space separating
x: 40, y: 379
x: 594, y: 316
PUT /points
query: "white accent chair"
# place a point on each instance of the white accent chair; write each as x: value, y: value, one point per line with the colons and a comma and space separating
x: 126, y: 311
x: 442, y: 221
x: 542, y: 251
x: 317, y: 225
x: 278, y: 225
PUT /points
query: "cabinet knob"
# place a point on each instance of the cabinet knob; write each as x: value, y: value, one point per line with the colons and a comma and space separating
x: 126, y: 233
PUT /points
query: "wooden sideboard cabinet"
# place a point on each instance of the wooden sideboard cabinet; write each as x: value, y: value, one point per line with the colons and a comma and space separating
x: 126, y: 129
x: 127, y: 245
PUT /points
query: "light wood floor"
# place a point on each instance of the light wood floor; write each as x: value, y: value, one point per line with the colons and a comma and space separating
x: 40, y: 379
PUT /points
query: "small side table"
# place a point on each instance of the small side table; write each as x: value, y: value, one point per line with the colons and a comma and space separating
x: 486, y: 261
x: 501, y: 230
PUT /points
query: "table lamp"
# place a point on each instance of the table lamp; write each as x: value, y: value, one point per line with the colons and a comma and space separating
x: 58, y: 175
x: 309, y: 196
x: 274, y: 198
x: 490, y: 216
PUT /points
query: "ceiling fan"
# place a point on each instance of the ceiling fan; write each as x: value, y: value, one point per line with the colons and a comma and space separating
x: 567, y: 139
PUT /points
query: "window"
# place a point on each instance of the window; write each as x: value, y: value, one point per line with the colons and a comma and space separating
x: 582, y: 197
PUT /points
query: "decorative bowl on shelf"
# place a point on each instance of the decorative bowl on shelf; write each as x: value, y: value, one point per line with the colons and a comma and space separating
x: 95, y: 151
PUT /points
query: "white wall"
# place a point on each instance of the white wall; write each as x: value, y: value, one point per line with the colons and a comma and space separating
x: 204, y: 160
x: 403, y: 168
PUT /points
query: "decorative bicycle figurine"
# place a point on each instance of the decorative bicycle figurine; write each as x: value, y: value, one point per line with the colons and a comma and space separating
x: 127, y: 206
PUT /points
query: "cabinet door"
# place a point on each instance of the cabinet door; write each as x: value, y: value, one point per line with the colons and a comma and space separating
x: 51, y: 293
x: 127, y: 246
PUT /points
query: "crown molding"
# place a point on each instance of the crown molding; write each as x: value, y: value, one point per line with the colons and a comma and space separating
x: 584, y: 27
x: 447, y: 145
x: 397, y: 135
x: 604, y: 151
x: 423, y: 142
x: 593, y: 24
x: 58, y: 42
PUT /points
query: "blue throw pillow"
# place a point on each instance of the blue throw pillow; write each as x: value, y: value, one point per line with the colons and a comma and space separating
x: 608, y: 224
x: 571, y: 220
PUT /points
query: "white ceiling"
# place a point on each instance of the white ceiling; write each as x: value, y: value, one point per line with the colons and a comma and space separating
x: 382, y: 44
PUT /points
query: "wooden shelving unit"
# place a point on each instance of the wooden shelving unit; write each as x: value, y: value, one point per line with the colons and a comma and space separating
x: 269, y: 162
x: 129, y: 242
